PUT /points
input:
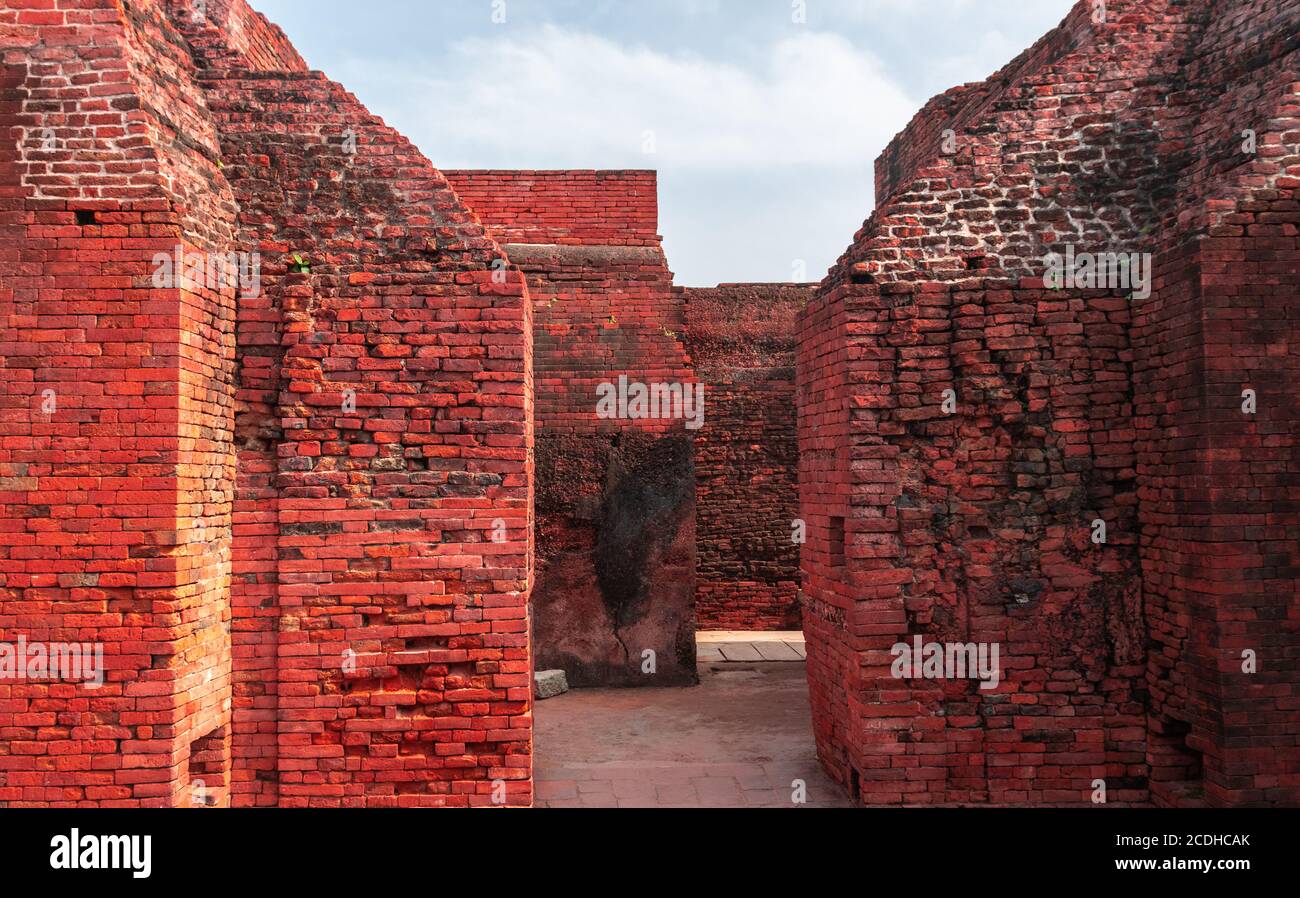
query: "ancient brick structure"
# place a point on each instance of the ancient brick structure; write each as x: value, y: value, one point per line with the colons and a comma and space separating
x: 741, y: 339
x: 297, y: 517
x: 296, y: 511
x: 963, y: 430
x: 615, y: 496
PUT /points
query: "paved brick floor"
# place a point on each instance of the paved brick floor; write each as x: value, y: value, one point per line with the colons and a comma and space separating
x: 739, y: 739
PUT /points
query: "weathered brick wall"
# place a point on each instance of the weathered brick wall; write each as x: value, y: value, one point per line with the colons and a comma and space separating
x: 962, y: 109
x: 972, y: 527
x: 741, y: 339
x: 1221, y: 528
x: 1049, y: 163
x: 615, y: 497
x: 569, y: 208
x: 832, y: 591
x: 117, y: 397
x: 299, y: 521
x: 230, y: 32
x: 224, y: 35
x: 402, y: 450
x: 377, y: 406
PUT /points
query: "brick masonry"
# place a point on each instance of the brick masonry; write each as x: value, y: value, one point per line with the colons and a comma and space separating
x: 343, y: 621
x: 616, y: 498
x: 299, y: 519
x: 1126, y: 663
x: 116, y: 473
x: 741, y: 339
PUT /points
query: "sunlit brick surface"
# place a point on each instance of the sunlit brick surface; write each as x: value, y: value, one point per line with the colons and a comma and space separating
x: 345, y: 622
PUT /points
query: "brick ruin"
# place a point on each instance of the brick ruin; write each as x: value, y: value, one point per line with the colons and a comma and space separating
x: 298, y: 521
x: 741, y: 338
x: 1160, y: 127
x: 325, y: 529
x: 615, y: 496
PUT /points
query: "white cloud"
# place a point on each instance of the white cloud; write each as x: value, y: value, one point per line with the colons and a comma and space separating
x: 566, y: 98
x: 765, y: 150
x: 951, y: 41
x: 765, y: 130
x: 974, y: 12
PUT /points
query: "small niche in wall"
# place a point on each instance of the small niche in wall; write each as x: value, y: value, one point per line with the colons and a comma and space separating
x: 85, y: 217
x: 837, y: 541
x: 1177, y: 769
x: 209, y: 769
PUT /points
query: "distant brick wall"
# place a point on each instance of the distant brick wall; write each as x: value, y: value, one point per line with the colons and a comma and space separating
x: 741, y: 339
x: 615, y: 498
x: 570, y: 207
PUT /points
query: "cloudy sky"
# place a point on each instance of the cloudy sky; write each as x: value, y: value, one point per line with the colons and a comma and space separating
x: 763, y: 128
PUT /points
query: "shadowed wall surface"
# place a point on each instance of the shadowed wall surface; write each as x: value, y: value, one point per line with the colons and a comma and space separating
x: 963, y: 430
x: 741, y: 339
x: 615, y: 496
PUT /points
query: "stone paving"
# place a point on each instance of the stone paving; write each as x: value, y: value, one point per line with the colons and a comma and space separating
x: 739, y: 646
x: 742, y: 738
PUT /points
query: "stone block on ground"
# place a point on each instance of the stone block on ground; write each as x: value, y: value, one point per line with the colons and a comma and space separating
x: 549, y: 683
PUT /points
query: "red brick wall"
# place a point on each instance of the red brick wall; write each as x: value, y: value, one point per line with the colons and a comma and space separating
x: 116, y: 489
x: 1219, y: 516
x: 913, y: 151
x: 378, y: 408
x: 741, y: 339
x: 386, y: 508
x: 1048, y: 164
x: 230, y: 32
x: 615, y: 498
x: 972, y: 527
x: 1120, y: 136
x: 573, y: 208
x: 301, y: 602
x: 823, y: 401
